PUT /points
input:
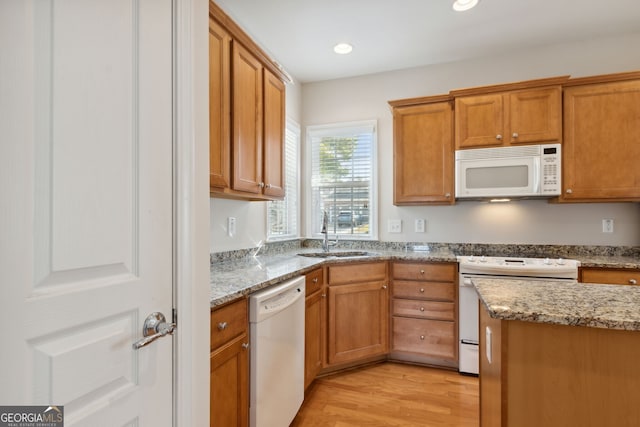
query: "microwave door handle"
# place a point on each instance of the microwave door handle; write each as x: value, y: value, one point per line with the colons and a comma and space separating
x: 536, y: 175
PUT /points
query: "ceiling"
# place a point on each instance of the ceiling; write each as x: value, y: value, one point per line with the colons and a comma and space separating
x: 396, y: 34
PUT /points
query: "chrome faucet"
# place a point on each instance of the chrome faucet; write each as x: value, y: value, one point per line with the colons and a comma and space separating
x: 325, y: 242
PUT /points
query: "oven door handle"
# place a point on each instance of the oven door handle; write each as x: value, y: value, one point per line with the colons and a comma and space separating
x: 466, y: 281
x: 469, y: 342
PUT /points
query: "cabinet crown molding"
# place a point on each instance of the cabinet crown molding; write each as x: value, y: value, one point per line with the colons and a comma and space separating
x: 505, y: 87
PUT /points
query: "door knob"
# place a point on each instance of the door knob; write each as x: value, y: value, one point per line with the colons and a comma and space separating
x: 155, y: 326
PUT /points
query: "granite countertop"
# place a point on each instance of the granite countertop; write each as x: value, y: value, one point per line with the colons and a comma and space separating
x: 231, y: 280
x: 236, y: 278
x: 574, y: 304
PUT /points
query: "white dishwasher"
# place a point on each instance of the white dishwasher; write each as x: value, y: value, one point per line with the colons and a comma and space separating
x: 276, y: 318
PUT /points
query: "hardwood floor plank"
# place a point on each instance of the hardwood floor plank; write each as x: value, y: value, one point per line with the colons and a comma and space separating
x: 391, y: 394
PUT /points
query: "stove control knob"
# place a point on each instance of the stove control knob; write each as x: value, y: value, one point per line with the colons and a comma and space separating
x: 560, y: 261
x: 547, y: 261
x: 483, y: 259
x: 471, y: 259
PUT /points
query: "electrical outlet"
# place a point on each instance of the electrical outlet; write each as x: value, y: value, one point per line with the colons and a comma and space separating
x: 231, y: 226
x: 607, y: 226
x: 394, y: 226
x: 420, y: 225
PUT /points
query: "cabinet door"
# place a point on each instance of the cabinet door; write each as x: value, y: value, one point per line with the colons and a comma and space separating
x: 312, y: 340
x: 247, y: 121
x: 479, y: 121
x: 219, y: 106
x: 358, y: 321
x: 601, y: 142
x: 423, y: 154
x: 535, y: 116
x: 274, y: 116
x: 229, y: 385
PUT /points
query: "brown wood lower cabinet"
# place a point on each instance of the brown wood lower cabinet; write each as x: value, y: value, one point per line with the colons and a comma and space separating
x: 314, y: 317
x: 610, y: 276
x: 358, y: 312
x: 557, y: 375
x: 424, y: 317
x: 229, y: 363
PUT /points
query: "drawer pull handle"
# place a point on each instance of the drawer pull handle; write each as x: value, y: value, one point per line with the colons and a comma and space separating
x: 222, y: 326
x: 633, y: 281
x: 422, y: 290
x: 421, y: 308
x: 422, y: 337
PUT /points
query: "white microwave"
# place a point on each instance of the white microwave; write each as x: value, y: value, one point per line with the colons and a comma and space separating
x: 508, y: 172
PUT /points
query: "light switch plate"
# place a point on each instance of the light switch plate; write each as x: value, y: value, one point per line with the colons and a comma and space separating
x: 420, y: 225
x: 394, y: 226
x: 607, y: 226
x: 231, y: 226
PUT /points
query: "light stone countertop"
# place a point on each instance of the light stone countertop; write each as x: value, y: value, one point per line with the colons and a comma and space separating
x: 574, y: 304
x: 231, y: 280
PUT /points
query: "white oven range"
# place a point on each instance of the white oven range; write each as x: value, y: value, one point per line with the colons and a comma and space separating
x: 547, y: 269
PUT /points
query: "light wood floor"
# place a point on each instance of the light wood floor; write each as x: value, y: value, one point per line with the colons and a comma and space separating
x: 391, y: 394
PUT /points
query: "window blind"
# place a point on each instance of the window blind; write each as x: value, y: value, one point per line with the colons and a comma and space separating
x: 342, y: 178
x: 282, y: 215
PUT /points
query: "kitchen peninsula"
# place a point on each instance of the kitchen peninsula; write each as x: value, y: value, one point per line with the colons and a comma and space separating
x: 558, y: 354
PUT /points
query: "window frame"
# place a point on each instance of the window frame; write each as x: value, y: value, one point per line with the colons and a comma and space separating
x: 311, y: 217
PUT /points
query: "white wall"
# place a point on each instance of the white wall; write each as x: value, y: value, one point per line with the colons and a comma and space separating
x: 534, y: 221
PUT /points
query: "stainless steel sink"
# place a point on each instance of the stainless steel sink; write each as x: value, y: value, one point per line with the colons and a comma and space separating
x: 345, y: 254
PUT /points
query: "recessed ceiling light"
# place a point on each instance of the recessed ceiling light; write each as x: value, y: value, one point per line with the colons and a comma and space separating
x: 462, y: 5
x: 343, y: 48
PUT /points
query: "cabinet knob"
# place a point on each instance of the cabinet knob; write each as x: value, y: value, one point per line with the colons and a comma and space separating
x: 268, y: 185
x: 633, y: 282
x: 422, y: 290
x: 323, y: 295
x: 569, y: 191
x: 515, y: 135
x: 499, y: 137
x: 261, y: 184
x: 421, y: 271
x: 448, y: 195
x: 315, y: 280
x: 421, y: 308
x: 384, y: 286
x: 245, y: 345
x: 422, y: 337
x: 222, y: 326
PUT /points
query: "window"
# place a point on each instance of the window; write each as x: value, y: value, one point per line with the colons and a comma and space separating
x: 342, y: 164
x: 282, y: 215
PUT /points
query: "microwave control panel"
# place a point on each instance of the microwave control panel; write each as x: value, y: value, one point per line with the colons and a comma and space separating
x: 551, y: 169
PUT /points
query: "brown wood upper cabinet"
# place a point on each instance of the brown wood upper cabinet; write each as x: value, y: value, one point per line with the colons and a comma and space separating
x: 247, y: 115
x: 601, y: 139
x: 517, y: 113
x: 423, y: 151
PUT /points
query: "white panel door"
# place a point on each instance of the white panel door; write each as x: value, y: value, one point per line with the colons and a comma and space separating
x: 86, y: 207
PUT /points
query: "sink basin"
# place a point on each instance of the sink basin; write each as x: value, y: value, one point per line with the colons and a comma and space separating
x: 336, y: 254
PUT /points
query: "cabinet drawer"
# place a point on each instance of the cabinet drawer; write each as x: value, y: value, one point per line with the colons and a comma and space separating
x: 228, y: 322
x: 425, y: 309
x: 313, y: 281
x: 430, y: 337
x: 443, y: 272
x: 629, y: 276
x: 427, y: 290
x: 357, y: 273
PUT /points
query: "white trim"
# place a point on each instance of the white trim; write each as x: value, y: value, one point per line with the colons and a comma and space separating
x: 191, y: 213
